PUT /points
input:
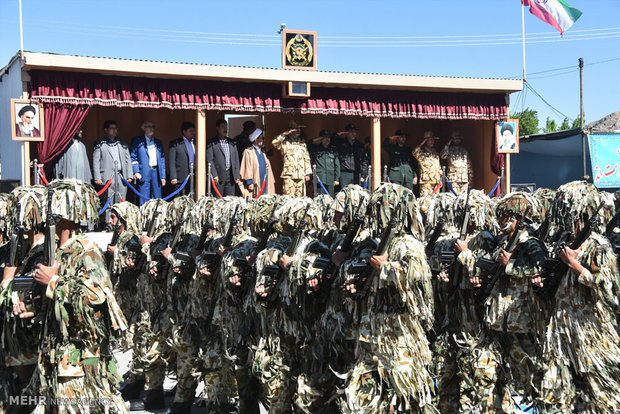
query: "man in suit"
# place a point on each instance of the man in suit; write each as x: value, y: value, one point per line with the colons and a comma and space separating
x: 224, y: 159
x: 180, y: 156
x: 149, y: 164
x: 108, y: 153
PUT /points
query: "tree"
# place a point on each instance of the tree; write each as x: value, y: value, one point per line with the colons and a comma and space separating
x: 528, y: 122
x: 550, y: 126
x: 565, y: 125
x: 577, y: 123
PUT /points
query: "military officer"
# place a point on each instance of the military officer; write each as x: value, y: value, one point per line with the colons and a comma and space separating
x: 296, y: 167
x: 401, y: 159
x: 459, y: 171
x: 325, y: 158
x: 428, y: 159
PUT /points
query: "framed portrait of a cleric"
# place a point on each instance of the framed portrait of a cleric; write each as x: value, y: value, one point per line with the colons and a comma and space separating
x: 507, y: 136
x: 27, y: 121
x: 298, y: 49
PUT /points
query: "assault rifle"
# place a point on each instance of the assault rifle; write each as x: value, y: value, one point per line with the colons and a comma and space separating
x: 492, y: 271
x: 274, y: 272
x: 269, y: 229
x: 213, y: 259
x: 448, y: 257
x: 553, y: 268
x: 329, y: 268
x: 176, y: 236
x: 363, y: 271
x: 17, y: 247
x: 432, y: 239
x: 115, y: 236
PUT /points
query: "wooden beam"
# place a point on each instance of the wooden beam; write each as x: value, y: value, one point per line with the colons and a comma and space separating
x: 375, y: 152
x: 201, y: 154
x: 507, y: 174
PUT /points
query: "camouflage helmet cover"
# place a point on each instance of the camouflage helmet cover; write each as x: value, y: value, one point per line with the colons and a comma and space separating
x: 73, y: 200
x: 481, y: 214
x: 348, y: 200
x: 574, y: 204
x: 290, y: 214
x: 147, y: 212
x: 6, y: 201
x: 130, y: 214
x: 395, y: 200
x: 439, y: 208
x: 516, y: 204
x: 27, y: 207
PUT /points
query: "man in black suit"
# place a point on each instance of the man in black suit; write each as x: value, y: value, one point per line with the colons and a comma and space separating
x: 224, y: 159
x: 181, y: 156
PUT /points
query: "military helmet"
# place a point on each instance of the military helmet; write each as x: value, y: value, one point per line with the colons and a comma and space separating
x: 481, y: 214
x: 223, y: 210
x: 348, y: 200
x: 130, y: 214
x: 545, y: 197
x: 179, y: 208
x: 148, y: 210
x: 72, y: 200
x: 516, y: 204
x: 260, y: 211
x: 204, y: 213
x: 324, y: 203
x: 393, y: 200
x: 439, y: 209
x: 290, y: 214
x: 574, y: 204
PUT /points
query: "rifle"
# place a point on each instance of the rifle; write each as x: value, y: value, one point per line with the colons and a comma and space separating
x: 269, y: 229
x: 364, y: 273
x: 17, y: 247
x: 492, y: 271
x: 432, y: 239
x: 213, y: 259
x: 329, y: 268
x: 553, y: 269
x: 448, y: 257
x: 315, y: 184
x: 274, y: 272
x: 115, y: 236
x: 161, y: 276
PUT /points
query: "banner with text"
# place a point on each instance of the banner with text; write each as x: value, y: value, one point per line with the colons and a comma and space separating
x: 605, y: 157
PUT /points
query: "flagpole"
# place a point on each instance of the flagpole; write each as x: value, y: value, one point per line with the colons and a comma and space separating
x: 21, y: 32
x: 523, y: 36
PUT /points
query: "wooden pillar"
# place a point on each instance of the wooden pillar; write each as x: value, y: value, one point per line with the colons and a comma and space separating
x: 27, y: 170
x: 201, y: 154
x: 375, y: 152
x: 507, y: 174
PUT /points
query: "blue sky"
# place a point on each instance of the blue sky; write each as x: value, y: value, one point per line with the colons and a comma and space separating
x: 446, y: 38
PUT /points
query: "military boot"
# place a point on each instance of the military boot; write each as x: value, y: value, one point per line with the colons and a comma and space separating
x: 181, y: 408
x: 132, y: 390
x: 153, y: 401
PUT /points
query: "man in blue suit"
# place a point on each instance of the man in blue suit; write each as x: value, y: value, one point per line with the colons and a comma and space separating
x: 149, y: 164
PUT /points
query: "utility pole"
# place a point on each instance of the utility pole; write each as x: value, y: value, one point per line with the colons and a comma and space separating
x: 581, y: 120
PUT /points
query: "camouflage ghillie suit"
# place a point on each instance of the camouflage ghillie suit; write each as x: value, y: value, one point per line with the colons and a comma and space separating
x: 8, y: 384
x: 76, y: 367
x: 430, y: 168
x: 459, y: 172
x: 545, y: 197
x: 508, y: 354
x: 296, y: 164
x: 124, y: 275
x: 393, y: 354
x: 582, y: 351
x: 149, y: 354
x: 457, y: 308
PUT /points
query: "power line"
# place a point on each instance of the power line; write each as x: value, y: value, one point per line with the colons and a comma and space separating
x: 558, y: 112
x: 565, y: 67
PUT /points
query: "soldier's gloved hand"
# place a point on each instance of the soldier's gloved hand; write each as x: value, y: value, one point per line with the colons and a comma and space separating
x: 461, y: 245
x: 20, y: 310
x: 377, y: 261
x: 111, y: 249
x: 260, y: 291
x: 221, y: 250
x: 350, y: 287
x: 204, y: 270
x: 568, y: 255
x: 285, y: 260
x: 314, y: 283
x: 43, y: 274
x: 504, y: 257
x: 176, y: 270
x: 537, y: 280
x: 443, y: 277
x: 153, y: 270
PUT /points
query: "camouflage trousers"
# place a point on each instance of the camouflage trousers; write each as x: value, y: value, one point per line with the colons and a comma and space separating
x: 273, y: 369
x: 187, y: 352
x: 505, y: 361
x: 455, y: 385
x: 294, y: 187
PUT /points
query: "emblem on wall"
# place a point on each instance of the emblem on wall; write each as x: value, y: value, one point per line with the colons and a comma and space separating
x: 298, y: 49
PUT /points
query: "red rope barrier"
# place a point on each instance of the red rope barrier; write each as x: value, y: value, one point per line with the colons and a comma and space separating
x: 105, y: 187
x: 436, y: 188
x: 216, y: 190
x: 262, y: 188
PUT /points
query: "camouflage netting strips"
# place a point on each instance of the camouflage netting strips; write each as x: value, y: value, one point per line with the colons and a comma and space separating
x: 73, y: 200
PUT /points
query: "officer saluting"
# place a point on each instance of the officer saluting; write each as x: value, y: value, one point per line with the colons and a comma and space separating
x: 401, y: 160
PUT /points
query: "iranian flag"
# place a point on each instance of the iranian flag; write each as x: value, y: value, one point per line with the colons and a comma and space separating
x: 555, y: 12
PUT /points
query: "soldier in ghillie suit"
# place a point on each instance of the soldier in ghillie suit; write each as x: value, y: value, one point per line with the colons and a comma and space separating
x: 458, y: 307
x: 582, y: 347
x: 20, y: 335
x: 396, y: 311
x: 122, y: 259
x: 8, y: 384
x: 508, y: 356
x: 76, y: 371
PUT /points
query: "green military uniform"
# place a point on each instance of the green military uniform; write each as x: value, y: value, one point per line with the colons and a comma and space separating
x: 401, y: 164
x: 327, y: 165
